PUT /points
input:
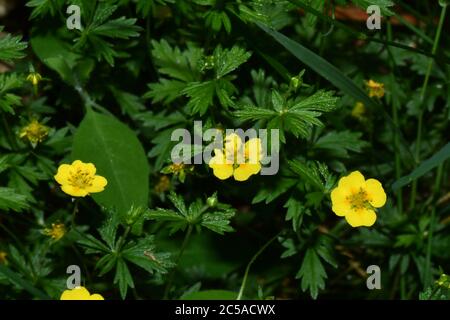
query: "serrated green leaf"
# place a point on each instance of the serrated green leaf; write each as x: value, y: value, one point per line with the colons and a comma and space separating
x: 312, y: 273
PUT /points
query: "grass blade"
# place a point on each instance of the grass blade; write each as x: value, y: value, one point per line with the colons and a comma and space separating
x: 427, y: 165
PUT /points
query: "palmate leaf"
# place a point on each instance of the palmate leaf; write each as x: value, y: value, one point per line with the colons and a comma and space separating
x: 228, y: 60
x: 11, y: 47
x: 8, y: 100
x: 102, y: 27
x: 201, y: 96
x: 196, y: 214
x: 44, y: 7
x: 142, y: 253
x: 11, y: 200
x: 180, y: 65
x: 338, y: 144
x: 165, y: 90
x: 297, y: 117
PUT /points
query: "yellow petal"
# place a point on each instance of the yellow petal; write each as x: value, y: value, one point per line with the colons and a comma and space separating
x: 375, y: 193
x: 63, y: 174
x: 98, y: 184
x: 74, y: 191
x: 78, y: 293
x: 253, y: 150
x: 96, y: 296
x: 353, y: 182
x: 245, y: 170
x: 233, y: 144
x: 362, y: 217
x: 223, y: 171
x: 340, y: 205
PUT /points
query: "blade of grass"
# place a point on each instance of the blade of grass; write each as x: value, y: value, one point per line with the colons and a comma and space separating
x: 363, y: 36
x: 427, y: 165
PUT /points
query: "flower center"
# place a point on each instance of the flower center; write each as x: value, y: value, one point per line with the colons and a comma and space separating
x: 359, y: 199
x: 81, y: 179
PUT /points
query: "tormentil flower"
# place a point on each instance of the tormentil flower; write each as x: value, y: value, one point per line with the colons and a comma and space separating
x: 56, y: 232
x: 79, y: 180
x: 3, y: 256
x: 35, y: 132
x: 237, y: 160
x: 376, y: 89
x: 80, y: 293
x: 356, y: 199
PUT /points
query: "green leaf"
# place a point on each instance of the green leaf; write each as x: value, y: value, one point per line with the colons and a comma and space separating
x: 8, y: 100
x: 22, y: 283
x: 10, y: 199
x: 119, y: 156
x: 44, y: 7
x: 210, y: 295
x: 201, y: 96
x: 295, y: 212
x: 227, y: 60
x: 338, y: 144
x: 123, y: 278
x: 129, y: 103
x: 165, y: 90
x: 439, y: 157
x: 11, y: 47
x: 309, y: 173
x: 218, y: 221
x: 312, y: 273
x: 171, y: 61
x: 142, y: 253
x: 272, y: 191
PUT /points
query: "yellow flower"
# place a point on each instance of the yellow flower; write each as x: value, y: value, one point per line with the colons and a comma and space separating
x: 35, y: 132
x: 34, y: 78
x: 80, y: 293
x: 376, y: 89
x: 237, y: 160
x: 79, y: 179
x: 359, y: 110
x: 56, y: 232
x: 356, y: 199
x: 3, y: 256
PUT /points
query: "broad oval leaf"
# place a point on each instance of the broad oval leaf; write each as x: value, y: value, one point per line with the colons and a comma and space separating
x: 118, y: 155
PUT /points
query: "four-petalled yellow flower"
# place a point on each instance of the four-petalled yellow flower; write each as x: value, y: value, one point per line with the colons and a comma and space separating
x: 376, y: 89
x: 79, y: 179
x: 356, y: 199
x: 56, y: 232
x: 237, y: 159
x: 80, y: 293
x: 34, y: 131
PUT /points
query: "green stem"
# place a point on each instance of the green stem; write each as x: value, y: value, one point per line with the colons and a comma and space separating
x: 422, y: 98
x: 427, y: 271
x: 247, y: 270
x: 395, y: 107
x: 187, y: 236
x: 74, y: 213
